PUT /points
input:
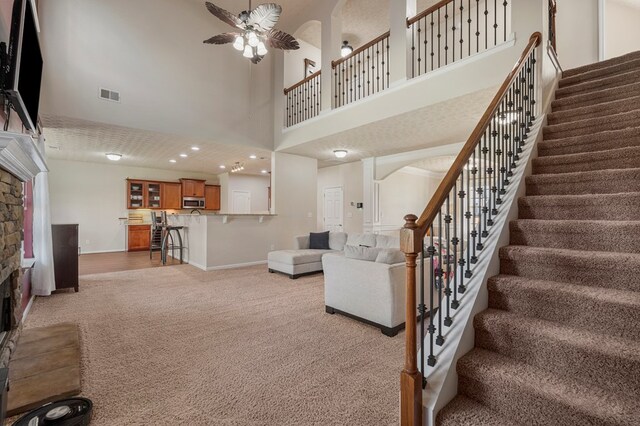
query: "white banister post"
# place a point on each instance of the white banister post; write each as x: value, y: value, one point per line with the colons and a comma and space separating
x: 398, y: 46
x: 331, y: 35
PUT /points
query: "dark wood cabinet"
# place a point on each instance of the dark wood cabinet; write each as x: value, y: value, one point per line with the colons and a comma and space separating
x: 192, y: 188
x: 138, y: 237
x: 65, y: 255
x: 171, y: 196
x: 136, y: 196
x: 212, y: 197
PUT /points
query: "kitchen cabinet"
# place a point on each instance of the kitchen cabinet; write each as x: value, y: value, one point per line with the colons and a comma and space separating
x: 65, y: 255
x: 136, y: 195
x: 171, y: 196
x: 212, y: 197
x: 192, y: 188
x: 138, y: 237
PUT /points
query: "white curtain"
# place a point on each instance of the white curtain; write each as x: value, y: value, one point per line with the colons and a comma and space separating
x: 43, y: 279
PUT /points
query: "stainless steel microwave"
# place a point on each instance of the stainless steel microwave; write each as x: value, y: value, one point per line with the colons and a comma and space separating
x: 192, y: 203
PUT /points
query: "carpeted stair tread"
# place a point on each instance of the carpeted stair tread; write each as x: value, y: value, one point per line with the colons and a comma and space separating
x: 590, y: 235
x: 592, y: 358
x: 463, y: 411
x: 596, y: 97
x: 607, y: 82
x: 603, y: 310
x: 612, y: 270
x: 616, y: 206
x: 602, y: 64
x: 620, y: 158
x: 603, y: 71
x: 623, y: 120
x: 598, y: 141
x: 588, y: 112
x: 534, y: 396
x: 610, y: 181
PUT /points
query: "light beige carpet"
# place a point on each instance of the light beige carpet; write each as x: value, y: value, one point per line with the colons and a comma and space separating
x: 178, y: 346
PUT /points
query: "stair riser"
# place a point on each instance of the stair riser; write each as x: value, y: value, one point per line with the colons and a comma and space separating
x: 559, y: 357
x: 618, y: 123
x: 609, y: 83
x: 600, y: 73
x: 590, y: 239
x: 618, y: 275
x: 600, y: 110
x: 604, y: 182
x: 610, y: 319
x: 595, y: 98
x: 546, y: 166
x: 599, y: 142
x: 614, y: 211
x: 601, y: 65
x: 523, y: 407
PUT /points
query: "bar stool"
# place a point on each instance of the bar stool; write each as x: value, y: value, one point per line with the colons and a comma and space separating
x: 167, y: 239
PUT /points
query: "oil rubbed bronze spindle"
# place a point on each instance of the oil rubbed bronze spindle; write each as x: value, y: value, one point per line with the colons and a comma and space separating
x: 431, y: 361
x: 303, y: 99
x: 445, y: 266
x: 422, y: 310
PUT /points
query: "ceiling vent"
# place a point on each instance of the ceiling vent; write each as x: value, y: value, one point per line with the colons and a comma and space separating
x: 109, y: 95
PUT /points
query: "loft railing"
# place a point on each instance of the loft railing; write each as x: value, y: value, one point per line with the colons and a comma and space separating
x: 449, y: 236
x: 303, y: 99
x: 362, y: 73
x: 552, y: 24
x: 451, y: 30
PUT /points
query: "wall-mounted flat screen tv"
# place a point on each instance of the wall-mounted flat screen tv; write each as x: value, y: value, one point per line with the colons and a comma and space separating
x: 25, y: 56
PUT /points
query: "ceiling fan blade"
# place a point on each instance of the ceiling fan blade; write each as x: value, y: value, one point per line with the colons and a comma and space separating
x: 281, y: 40
x: 223, y: 38
x: 223, y: 15
x: 265, y: 16
x: 257, y: 59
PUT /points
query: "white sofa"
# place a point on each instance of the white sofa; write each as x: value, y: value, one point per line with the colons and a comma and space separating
x: 368, y: 291
x: 303, y: 260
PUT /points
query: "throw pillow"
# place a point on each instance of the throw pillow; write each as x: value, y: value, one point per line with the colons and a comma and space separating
x: 390, y: 256
x: 319, y: 240
x: 361, y: 253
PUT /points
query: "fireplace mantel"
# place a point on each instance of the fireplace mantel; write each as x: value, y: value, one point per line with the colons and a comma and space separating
x: 20, y: 156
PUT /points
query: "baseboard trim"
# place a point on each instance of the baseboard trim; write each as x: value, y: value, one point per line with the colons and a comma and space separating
x: 236, y: 265
x: 28, y: 308
x: 102, y: 251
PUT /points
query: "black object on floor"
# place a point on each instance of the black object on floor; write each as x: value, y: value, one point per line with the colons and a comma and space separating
x: 66, y: 412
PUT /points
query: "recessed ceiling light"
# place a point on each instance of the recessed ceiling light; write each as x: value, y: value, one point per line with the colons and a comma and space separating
x: 223, y: 166
x: 340, y: 153
x: 172, y: 161
x: 113, y: 156
x: 183, y: 155
x: 195, y: 148
x: 253, y: 156
x: 264, y: 171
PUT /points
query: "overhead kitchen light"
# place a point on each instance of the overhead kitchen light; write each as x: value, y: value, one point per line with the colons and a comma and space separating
x: 253, y: 156
x: 183, y: 155
x: 172, y: 161
x: 264, y: 172
x: 222, y: 166
x: 346, y: 49
x: 195, y: 148
x: 340, y: 153
x: 113, y: 156
x: 238, y: 167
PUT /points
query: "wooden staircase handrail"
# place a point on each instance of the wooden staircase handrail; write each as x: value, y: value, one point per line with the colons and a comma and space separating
x: 303, y: 81
x: 360, y: 49
x: 427, y: 12
x: 439, y: 197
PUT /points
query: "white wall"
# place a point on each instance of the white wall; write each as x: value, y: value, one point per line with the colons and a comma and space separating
x: 94, y: 196
x: 622, y: 28
x: 294, y: 62
x: 256, y: 185
x: 577, y: 32
x: 348, y: 176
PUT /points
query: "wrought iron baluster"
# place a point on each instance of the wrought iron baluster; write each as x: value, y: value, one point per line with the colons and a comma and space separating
x: 495, y: 22
x: 439, y: 38
x: 470, y: 192
x: 414, y: 60
x: 446, y: 34
x: 486, y: 25
x: 504, y: 22
x: 431, y: 361
x: 432, y: 43
x: 446, y: 266
x: 455, y: 240
x: 469, y: 22
x: 387, y: 62
x: 453, y: 31
x: 461, y: 28
x: 422, y: 310
x: 477, y: 26
x: 440, y: 337
x: 477, y: 201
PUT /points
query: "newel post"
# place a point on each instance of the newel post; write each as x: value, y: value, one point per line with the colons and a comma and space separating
x: 410, y: 378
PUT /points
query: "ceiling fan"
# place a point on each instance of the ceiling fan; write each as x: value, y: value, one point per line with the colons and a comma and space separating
x: 256, y: 33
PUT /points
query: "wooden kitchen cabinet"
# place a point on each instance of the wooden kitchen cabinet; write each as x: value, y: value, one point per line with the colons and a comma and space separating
x: 139, y: 237
x: 136, y: 195
x: 171, y: 196
x: 212, y: 197
x: 192, y: 188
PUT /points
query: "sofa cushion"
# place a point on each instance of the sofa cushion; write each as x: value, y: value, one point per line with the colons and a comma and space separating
x: 390, y: 256
x: 319, y: 240
x: 296, y: 257
x: 361, y: 253
x: 386, y: 241
x: 367, y: 240
x: 337, y: 240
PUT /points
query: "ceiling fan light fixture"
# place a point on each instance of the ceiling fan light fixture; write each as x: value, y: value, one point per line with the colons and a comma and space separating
x: 252, y: 39
x: 239, y: 43
x: 346, y: 49
x: 248, y: 52
x: 340, y: 153
x: 262, y: 49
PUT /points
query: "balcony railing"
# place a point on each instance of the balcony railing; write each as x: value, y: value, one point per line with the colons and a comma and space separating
x: 455, y: 29
x: 303, y: 99
x: 362, y: 73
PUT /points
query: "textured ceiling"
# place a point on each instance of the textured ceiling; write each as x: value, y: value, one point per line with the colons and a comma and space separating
x: 79, y: 140
x: 630, y: 3
x: 444, y: 123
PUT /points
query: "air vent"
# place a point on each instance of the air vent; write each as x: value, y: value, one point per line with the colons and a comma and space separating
x: 109, y: 95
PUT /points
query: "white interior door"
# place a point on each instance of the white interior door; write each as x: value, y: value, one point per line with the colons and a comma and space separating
x: 333, y: 209
x: 241, y: 202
